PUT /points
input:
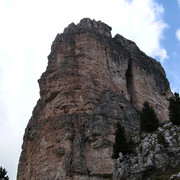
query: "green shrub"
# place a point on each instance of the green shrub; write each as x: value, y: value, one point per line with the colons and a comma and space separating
x: 148, y: 119
x: 174, y: 109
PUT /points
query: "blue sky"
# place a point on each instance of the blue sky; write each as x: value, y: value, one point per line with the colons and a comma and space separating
x: 28, y: 29
x: 171, y: 42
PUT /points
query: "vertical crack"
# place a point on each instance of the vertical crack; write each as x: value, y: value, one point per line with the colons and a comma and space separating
x: 129, y: 81
x: 107, y: 58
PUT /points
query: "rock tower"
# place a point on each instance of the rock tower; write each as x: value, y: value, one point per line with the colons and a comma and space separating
x: 92, y: 81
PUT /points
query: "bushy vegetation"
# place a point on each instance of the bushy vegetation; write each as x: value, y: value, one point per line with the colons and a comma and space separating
x: 164, y: 175
x: 148, y: 119
x: 121, y: 144
x: 161, y: 140
x: 3, y: 174
x: 174, y: 109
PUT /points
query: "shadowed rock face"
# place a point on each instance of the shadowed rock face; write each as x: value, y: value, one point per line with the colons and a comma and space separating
x: 92, y: 81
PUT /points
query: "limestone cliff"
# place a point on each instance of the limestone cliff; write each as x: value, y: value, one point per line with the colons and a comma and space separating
x: 92, y: 81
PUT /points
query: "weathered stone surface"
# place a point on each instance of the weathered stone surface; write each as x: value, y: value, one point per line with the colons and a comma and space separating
x: 152, y: 87
x: 92, y: 81
x: 151, y: 155
x: 175, y: 177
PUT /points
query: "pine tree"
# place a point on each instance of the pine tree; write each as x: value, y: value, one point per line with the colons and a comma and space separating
x: 148, y: 119
x: 3, y: 174
x: 120, y: 144
x: 174, y: 109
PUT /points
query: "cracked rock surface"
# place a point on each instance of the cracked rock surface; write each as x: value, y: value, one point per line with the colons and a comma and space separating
x: 92, y: 81
x: 154, y: 152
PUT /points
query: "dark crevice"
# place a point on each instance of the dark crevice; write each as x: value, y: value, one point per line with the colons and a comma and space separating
x: 88, y: 173
x: 129, y: 80
x: 107, y: 58
x: 52, y: 96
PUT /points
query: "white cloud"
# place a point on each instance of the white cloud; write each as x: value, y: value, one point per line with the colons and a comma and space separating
x: 178, y: 34
x: 27, y: 31
x: 178, y: 3
x: 162, y: 54
x: 175, y: 80
x: 142, y: 22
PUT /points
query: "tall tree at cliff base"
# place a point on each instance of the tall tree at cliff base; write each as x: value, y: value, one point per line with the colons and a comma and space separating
x: 148, y: 119
x: 120, y: 144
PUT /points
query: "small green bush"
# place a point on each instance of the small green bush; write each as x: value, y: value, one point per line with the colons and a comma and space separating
x: 148, y: 119
x: 174, y: 109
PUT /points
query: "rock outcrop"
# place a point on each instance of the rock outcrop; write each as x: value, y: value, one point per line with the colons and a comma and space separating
x: 175, y: 177
x: 92, y: 81
x: 155, y: 154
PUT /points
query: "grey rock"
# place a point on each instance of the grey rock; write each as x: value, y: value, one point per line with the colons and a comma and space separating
x: 175, y: 177
x: 121, y: 157
x: 150, y: 156
x: 167, y: 134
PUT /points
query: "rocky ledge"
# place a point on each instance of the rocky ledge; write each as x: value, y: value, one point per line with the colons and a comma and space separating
x: 156, y: 155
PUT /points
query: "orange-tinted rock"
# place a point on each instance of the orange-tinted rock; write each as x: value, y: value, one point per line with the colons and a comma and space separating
x: 91, y: 82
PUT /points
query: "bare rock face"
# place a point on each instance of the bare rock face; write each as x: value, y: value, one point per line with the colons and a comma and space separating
x: 92, y: 81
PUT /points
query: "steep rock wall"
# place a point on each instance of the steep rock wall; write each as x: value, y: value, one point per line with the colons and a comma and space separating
x: 92, y: 81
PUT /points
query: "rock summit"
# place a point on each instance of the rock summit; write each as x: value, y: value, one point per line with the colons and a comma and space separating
x: 92, y: 81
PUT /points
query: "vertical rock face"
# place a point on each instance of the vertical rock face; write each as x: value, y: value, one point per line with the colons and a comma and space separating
x: 92, y: 81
